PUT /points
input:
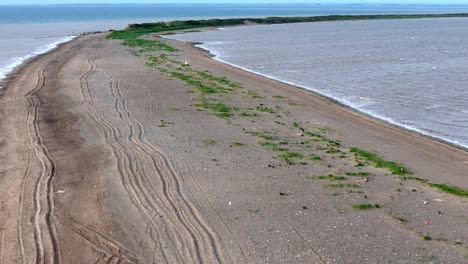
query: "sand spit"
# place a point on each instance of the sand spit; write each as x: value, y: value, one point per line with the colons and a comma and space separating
x: 106, y: 160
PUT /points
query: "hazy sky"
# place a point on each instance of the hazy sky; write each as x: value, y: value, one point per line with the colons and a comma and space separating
x: 232, y: 1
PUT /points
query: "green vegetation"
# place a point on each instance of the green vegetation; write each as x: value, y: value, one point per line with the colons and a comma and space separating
x: 343, y: 185
x: 314, y: 158
x: 401, y: 219
x: 365, y: 206
x: 329, y: 177
x: 165, y: 123
x: 333, y: 151
x: 408, y: 178
x: 393, y: 167
x: 220, y: 109
x: 277, y: 97
x: 247, y: 114
x: 148, y: 45
x: 202, y: 87
x: 209, y: 142
x: 279, y: 149
x: 426, y: 237
x: 450, y: 189
x: 361, y: 174
x: 221, y: 80
x: 264, y: 136
x: 137, y: 30
x: 265, y: 109
x: 291, y: 155
x: 236, y: 144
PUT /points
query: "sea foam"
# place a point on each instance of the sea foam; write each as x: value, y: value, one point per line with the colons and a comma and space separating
x: 15, y: 62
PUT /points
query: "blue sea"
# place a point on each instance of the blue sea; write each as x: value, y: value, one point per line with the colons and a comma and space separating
x: 408, y: 72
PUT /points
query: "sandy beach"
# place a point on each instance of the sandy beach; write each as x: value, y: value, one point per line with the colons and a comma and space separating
x: 106, y: 158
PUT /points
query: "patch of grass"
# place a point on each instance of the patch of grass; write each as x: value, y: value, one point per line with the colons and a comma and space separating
x: 393, y: 167
x: 279, y: 123
x: 401, y: 219
x: 325, y: 129
x: 360, y: 174
x: 277, y: 97
x: 291, y: 155
x: 333, y: 151
x: 314, y: 158
x: 198, y: 84
x: 165, y: 123
x: 365, y: 206
x: 148, y: 45
x: 236, y: 144
x: 247, y: 114
x: 267, y: 144
x: 312, y: 134
x: 264, y: 136
x: 298, y: 126
x: 265, y: 109
x: 343, y: 185
x: 279, y: 149
x: 450, y: 189
x: 329, y: 177
x: 426, y: 237
x: 220, y: 109
x: 209, y: 142
x: 409, y: 178
x: 221, y: 80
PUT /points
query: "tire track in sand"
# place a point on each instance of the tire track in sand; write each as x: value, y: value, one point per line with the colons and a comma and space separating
x: 45, y: 234
x: 207, y: 242
x: 125, y: 166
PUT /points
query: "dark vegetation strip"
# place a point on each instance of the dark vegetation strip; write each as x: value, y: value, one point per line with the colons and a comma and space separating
x: 136, y: 30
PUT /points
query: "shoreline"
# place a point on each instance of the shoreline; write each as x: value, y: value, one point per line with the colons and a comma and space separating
x: 134, y: 160
x: 330, y: 98
x: 199, y: 45
x: 19, y: 62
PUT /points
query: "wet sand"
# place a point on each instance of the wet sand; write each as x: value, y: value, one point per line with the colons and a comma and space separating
x: 105, y: 160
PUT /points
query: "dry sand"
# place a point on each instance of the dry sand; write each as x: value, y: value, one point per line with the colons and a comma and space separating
x: 104, y: 160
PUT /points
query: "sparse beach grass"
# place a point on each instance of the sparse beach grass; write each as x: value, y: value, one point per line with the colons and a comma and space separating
x: 365, y: 206
x: 367, y: 156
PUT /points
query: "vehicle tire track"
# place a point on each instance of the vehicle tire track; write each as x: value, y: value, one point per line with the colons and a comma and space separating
x: 19, y: 219
x: 102, y: 243
x: 45, y: 234
x: 125, y: 165
x: 192, y: 221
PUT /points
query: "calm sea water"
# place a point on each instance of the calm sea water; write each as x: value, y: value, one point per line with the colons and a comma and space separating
x: 413, y: 73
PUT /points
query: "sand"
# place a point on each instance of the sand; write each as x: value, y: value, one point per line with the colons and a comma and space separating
x: 105, y: 160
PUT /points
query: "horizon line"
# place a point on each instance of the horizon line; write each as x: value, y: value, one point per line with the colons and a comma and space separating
x: 233, y: 3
